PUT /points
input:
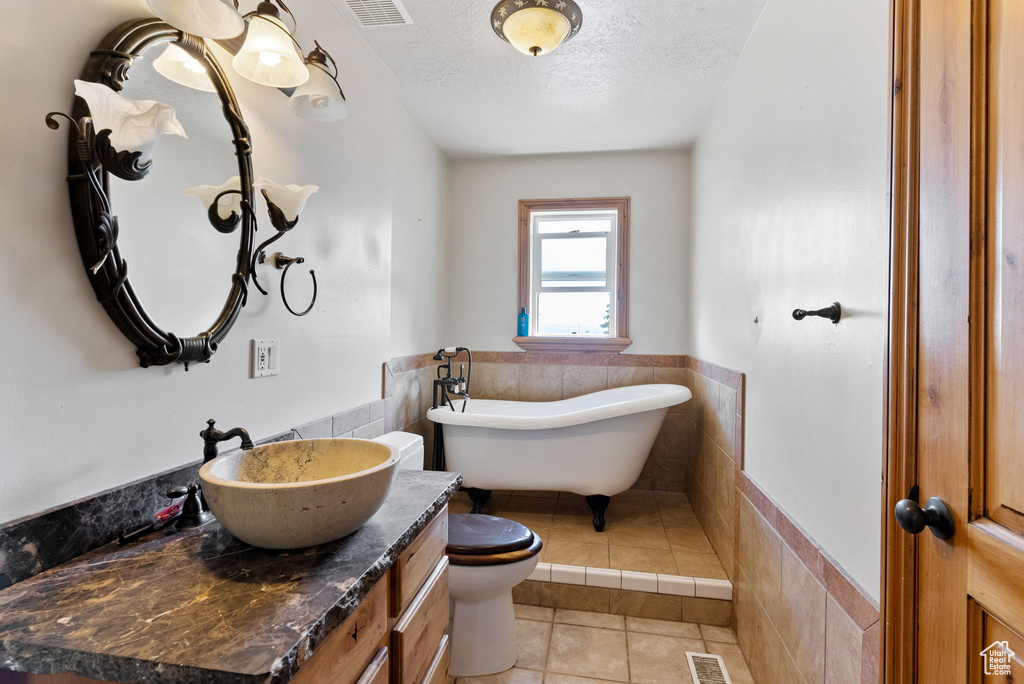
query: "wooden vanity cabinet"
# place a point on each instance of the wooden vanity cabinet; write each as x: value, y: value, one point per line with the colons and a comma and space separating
x: 395, y: 636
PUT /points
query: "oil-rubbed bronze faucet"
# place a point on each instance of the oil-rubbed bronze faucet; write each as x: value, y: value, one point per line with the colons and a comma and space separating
x: 212, y: 436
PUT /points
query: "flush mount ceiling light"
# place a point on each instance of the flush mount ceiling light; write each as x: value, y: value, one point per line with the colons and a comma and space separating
x: 536, y: 27
x: 270, y: 56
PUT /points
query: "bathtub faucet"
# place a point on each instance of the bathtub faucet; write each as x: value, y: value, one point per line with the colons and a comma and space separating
x: 447, y: 386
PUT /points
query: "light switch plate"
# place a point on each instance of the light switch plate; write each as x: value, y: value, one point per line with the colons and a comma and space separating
x: 264, y: 358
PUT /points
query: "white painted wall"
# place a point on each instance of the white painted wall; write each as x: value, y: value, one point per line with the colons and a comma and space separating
x: 484, y: 215
x: 77, y: 415
x: 791, y: 210
x: 419, y: 241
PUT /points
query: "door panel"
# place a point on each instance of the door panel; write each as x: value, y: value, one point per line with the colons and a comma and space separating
x: 1004, y: 427
x: 968, y: 423
x: 943, y: 397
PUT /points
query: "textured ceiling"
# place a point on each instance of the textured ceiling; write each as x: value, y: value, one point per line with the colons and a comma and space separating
x: 640, y: 74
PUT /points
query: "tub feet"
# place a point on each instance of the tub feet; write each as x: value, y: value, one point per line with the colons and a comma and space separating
x: 479, y: 498
x: 598, y: 504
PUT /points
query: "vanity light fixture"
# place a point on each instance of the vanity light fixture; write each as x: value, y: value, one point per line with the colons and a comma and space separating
x: 126, y: 129
x: 176, y: 65
x: 270, y: 55
x: 216, y: 19
x: 536, y: 27
x: 219, y: 199
x: 321, y: 97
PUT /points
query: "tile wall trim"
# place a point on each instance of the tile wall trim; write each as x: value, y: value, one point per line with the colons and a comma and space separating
x: 726, y: 376
x: 861, y: 608
x: 647, y: 582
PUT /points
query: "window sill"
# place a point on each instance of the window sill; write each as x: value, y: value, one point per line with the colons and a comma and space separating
x: 573, y: 344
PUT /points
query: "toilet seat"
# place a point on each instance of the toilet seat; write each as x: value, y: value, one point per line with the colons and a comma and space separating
x: 477, y: 539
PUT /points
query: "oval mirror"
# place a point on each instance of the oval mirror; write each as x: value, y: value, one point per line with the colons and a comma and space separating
x: 188, y: 278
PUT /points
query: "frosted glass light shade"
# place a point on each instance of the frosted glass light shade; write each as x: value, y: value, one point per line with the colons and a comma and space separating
x: 319, y: 98
x: 290, y: 199
x: 179, y: 66
x: 536, y: 30
x: 135, y: 125
x: 228, y: 203
x: 217, y: 19
x: 268, y: 56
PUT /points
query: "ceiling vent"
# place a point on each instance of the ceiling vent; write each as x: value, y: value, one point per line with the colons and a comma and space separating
x: 379, y: 12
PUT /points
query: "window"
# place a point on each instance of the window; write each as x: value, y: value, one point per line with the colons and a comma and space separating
x: 573, y: 274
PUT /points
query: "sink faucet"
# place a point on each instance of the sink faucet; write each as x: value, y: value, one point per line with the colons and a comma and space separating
x: 212, y: 436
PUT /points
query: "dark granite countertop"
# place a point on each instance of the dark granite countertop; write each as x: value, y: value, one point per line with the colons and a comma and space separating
x: 200, y: 607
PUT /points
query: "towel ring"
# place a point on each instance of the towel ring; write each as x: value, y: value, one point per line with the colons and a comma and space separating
x: 285, y: 262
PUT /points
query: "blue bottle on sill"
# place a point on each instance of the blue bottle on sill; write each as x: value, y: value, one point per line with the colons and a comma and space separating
x: 524, y: 323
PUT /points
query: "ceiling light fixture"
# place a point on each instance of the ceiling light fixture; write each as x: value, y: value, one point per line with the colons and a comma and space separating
x: 536, y: 27
x: 270, y: 55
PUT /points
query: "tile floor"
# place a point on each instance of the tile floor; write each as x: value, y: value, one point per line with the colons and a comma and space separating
x: 646, y: 531
x: 573, y: 647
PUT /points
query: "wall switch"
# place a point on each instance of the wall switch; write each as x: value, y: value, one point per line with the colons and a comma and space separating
x: 265, y: 358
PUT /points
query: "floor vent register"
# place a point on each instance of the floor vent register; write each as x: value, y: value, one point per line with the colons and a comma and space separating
x: 707, y: 668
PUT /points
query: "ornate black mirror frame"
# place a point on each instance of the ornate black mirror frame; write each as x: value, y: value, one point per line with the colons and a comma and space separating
x: 96, y: 226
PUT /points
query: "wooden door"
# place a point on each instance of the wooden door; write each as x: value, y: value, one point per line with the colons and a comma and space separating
x: 955, y: 608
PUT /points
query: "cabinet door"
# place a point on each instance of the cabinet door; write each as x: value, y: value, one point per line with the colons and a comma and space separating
x: 345, y: 654
x: 414, y: 566
x: 418, y: 633
x: 438, y: 671
x: 378, y: 670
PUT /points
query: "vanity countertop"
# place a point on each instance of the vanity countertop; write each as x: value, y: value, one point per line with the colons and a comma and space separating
x: 200, y: 607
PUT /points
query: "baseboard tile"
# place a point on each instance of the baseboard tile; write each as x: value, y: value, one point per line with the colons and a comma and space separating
x: 627, y: 580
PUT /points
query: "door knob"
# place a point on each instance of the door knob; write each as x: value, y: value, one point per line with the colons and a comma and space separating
x: 935, y: 515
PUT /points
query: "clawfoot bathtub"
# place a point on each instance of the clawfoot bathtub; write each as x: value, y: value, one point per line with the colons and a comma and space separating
x: 594, y: 445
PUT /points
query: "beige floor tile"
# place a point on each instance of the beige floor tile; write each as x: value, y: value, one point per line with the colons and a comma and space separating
x: 637, y: 513
x: 534, y: 613
x: 688, y: 538
x: 571, y: 529
x: 734, y: 662
x: 576, y: 553
x: 687, y: 630
x: 518, y: 503
x: 642, y: 560
x: 574, y: 505
x: 655, y: 659
x: 533, y: 638
x: 588, y: 652
x: 554, y: 678
x: 534, y: 521
x: 645, y: 496
x: 516, y: 675
x: 704, y: 565
x: 588, y: 619
x: 723, y: 635
x: 642, y: 536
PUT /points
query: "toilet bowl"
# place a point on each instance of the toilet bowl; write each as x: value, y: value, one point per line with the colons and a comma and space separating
x: 487, y: 557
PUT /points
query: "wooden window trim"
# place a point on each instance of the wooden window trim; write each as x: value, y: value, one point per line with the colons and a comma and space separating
x: 546, y: 343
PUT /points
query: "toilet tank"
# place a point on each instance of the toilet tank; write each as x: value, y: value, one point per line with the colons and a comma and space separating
x: 410, y: 449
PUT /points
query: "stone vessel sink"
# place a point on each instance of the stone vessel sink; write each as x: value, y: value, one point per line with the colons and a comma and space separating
x: 290, y: 495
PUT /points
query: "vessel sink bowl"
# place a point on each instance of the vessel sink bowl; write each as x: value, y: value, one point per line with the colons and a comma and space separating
x: 290, y: 495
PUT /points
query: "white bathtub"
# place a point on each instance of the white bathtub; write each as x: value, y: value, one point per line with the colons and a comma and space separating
x: 596, y: 444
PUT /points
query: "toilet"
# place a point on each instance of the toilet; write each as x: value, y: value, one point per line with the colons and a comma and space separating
x: 487, y: 557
